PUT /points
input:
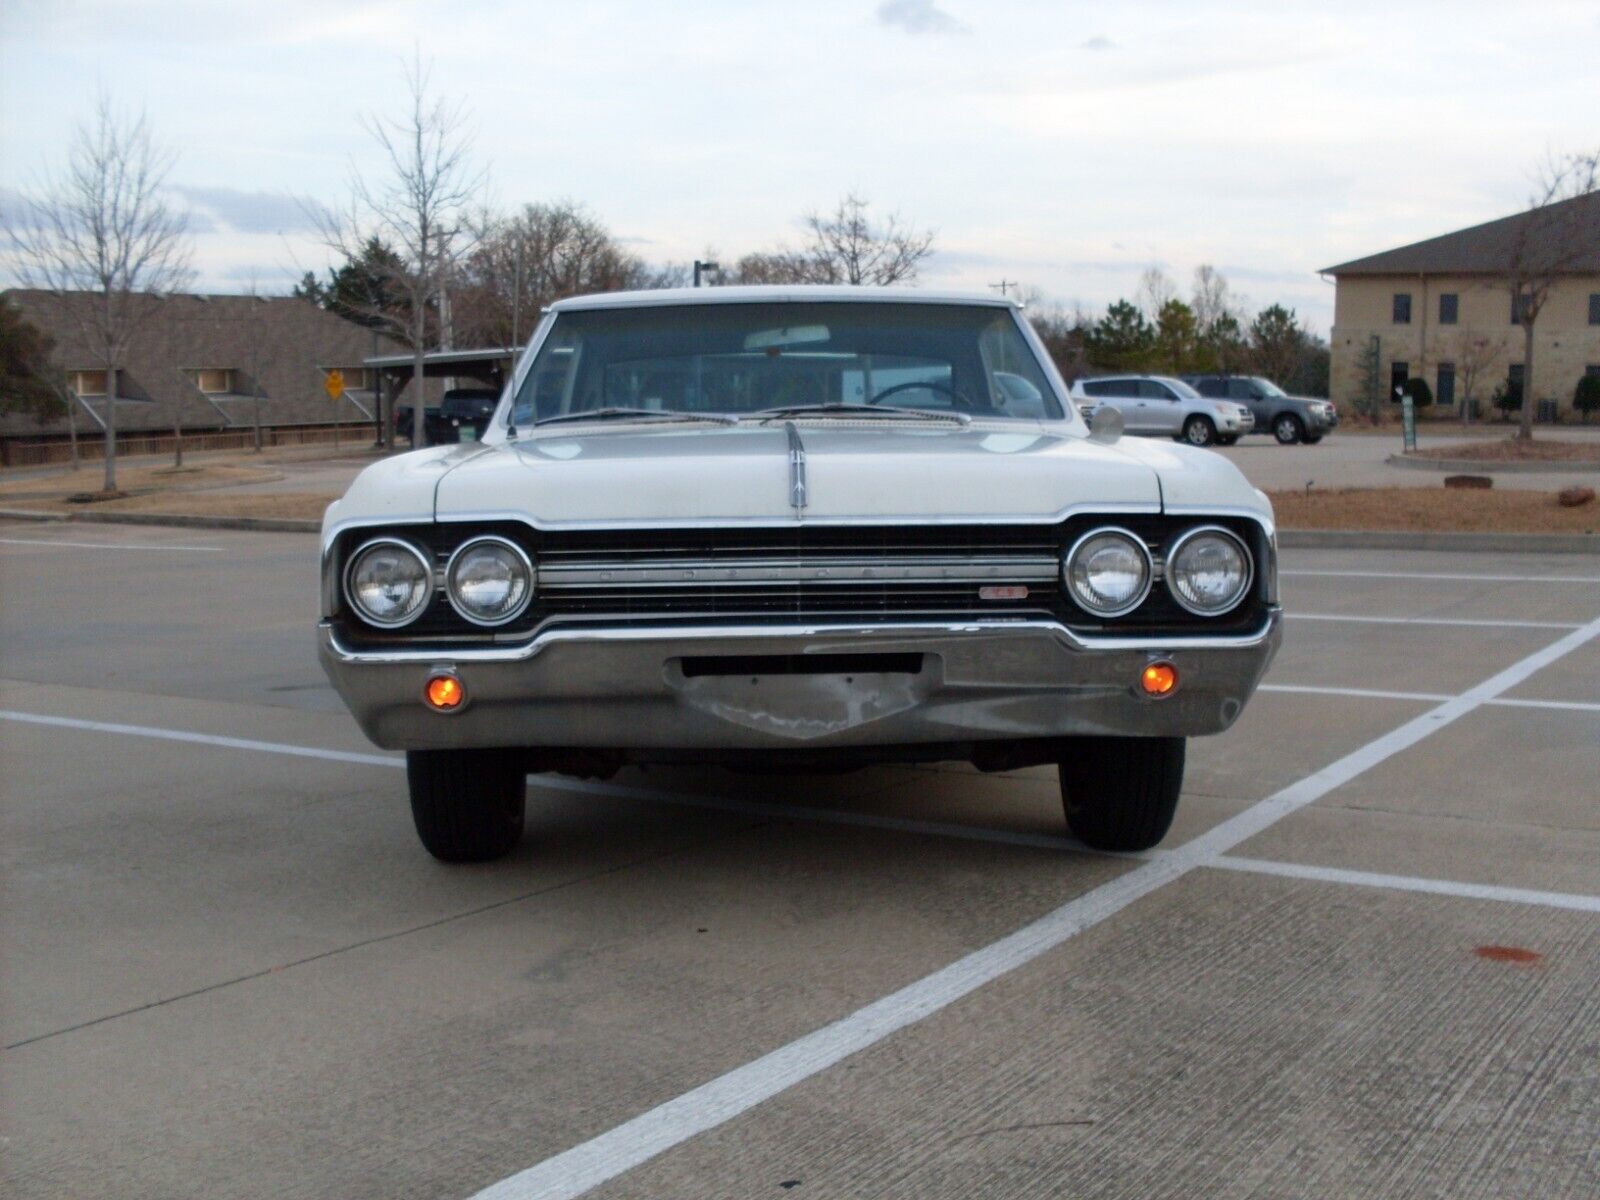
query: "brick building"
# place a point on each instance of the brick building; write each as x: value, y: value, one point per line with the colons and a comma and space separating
x: 1442, y: 309
x: 206, y: 361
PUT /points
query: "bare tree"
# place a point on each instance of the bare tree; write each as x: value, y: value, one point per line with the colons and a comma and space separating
x: 1155, y: 290
x: 1550, y: 240
x: 1477, y: 358
x: 420, y: 208
x: 100, y: 239
x: 540, y: 255
x: 845, y: 246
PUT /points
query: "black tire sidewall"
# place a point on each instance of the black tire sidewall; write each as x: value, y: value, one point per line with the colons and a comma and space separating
x: 1200, y: 423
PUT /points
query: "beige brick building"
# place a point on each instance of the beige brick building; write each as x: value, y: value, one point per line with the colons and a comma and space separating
x: 1442, y: 309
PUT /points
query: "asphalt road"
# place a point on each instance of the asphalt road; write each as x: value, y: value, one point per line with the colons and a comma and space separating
x: 1364, y: 963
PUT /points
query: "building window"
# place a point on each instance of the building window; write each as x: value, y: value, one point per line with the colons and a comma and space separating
x: 215, y: 381
x: 1449, y: 307
x: 1514, y: 376
x: 1519, y: 304
x: 1445, y: 393
x: 88, y: 383
x: 1402, y: 308
x: 1594, y: 308
x: 1399, y: 372
x: 1592, y: 369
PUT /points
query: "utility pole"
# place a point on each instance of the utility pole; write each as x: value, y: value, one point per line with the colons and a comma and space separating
x: 1003, y: 285
x: 700, y: 267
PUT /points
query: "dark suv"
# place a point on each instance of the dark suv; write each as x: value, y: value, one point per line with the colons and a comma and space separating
x: 459, y: 409
x: 1288, y: 418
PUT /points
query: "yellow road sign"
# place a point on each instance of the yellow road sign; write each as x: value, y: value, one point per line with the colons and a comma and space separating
x: 334, y: 384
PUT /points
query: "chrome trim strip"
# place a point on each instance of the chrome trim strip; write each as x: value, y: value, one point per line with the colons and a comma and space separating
x: 1153, y: 508
x: 1149, y: 571
x: 1249, y: 576
x: 882, y: 634
x: 797, y: 469
x: 449, y: 582
x: 840, y: 570
x: 420, y: 555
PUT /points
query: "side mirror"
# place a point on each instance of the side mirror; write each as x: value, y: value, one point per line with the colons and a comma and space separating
x: 1105, y: 425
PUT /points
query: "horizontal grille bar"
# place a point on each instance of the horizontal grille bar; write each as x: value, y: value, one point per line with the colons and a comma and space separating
x: 820, y: 570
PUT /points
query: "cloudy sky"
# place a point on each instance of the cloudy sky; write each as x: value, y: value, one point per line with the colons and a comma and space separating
x: 1068, y: 145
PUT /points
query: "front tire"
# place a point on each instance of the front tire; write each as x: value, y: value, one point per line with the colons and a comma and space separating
x: 1288, y: 430
x: 1199, y: 431
x: 1119, y: 793
x: 468, y: 805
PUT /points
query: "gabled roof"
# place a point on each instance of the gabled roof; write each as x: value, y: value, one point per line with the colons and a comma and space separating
x: 1567, y: 232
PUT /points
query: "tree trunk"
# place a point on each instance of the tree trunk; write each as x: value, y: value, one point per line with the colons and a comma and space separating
x: 111, y: 428
x: 72, y: 425
x: 1525, y: 430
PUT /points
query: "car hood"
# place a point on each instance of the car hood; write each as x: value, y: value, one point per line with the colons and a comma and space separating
x: 867, y: 471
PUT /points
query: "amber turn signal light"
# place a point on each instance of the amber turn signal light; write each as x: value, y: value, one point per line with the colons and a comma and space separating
x: 444, y: 692
x: 1159, y: 679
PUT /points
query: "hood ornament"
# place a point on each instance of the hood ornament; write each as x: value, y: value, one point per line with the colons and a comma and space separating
x: 797, y: 468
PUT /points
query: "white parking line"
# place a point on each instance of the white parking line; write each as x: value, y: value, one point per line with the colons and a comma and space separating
x: 111, y: 545
x: 1492, y: 623
x: 1442, y: 575
x: 1309, y: 689
x: 591, y: 1163
x: 1410, y: 883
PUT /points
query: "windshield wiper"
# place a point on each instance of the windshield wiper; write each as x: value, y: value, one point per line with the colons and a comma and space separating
x: 859, y: 410
x: 652, y: 414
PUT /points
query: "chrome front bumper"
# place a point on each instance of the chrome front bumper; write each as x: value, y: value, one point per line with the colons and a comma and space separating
x: 626, y: 689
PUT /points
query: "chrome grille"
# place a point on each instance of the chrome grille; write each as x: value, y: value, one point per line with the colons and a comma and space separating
x: 857, y: 572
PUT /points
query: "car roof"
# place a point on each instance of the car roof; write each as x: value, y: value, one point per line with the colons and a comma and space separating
x: 779, y: 293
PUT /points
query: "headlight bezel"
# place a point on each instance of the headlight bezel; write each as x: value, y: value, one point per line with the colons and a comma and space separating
x: 1070, y: 558
x: 461, y: 609
x: 1183, y: 539
x: 360, y: 610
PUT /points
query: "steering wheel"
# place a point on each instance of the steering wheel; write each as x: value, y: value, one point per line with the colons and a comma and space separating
x: 957, y: 400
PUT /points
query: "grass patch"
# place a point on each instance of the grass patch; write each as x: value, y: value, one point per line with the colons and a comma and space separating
x: 1432, y: 510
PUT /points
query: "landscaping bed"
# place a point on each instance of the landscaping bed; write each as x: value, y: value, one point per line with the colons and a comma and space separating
x: 1514, y: 450
x: 1432, y: 510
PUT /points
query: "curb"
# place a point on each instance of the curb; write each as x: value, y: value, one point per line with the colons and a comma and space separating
x: 1493, y: 543
x: 1488, y: 466
x: 258, y: 524
x: 1289, y: 539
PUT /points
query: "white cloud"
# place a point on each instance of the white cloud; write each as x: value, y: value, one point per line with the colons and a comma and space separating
x: 1098, y: 42
x: 918, y: 16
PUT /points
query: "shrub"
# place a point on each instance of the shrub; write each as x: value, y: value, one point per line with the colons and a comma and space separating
x: 1421, y: 394
x: 1507, y: 399
x: 1586, y: 396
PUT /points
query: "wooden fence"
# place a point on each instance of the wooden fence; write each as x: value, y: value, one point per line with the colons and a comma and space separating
x: 18, y: 453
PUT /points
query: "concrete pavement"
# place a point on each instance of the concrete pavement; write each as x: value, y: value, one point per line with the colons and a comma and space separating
x: 230, y: 971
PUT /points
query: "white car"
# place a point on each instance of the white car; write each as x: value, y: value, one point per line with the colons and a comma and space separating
x: 1161, y: 406
x: 794, y: 528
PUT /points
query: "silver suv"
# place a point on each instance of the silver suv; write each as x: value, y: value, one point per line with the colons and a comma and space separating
x: 1161, y: 406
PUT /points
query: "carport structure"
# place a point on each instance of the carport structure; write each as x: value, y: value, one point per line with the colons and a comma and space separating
x: 490, y: 366
x: 1364, y: 963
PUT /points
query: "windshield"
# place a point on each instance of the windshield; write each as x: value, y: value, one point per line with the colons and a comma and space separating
x: 748, y: 359
x: 1268, y: 388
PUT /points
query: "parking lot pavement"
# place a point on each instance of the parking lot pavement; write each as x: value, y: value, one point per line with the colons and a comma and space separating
x: 1363, y: 963
x: 1359, y: 460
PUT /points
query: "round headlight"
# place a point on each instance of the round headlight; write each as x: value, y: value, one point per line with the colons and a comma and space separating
x: 490, y: 581
x: 1108, y: 572
x: 388, y: 583
x: 1208, y: 571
